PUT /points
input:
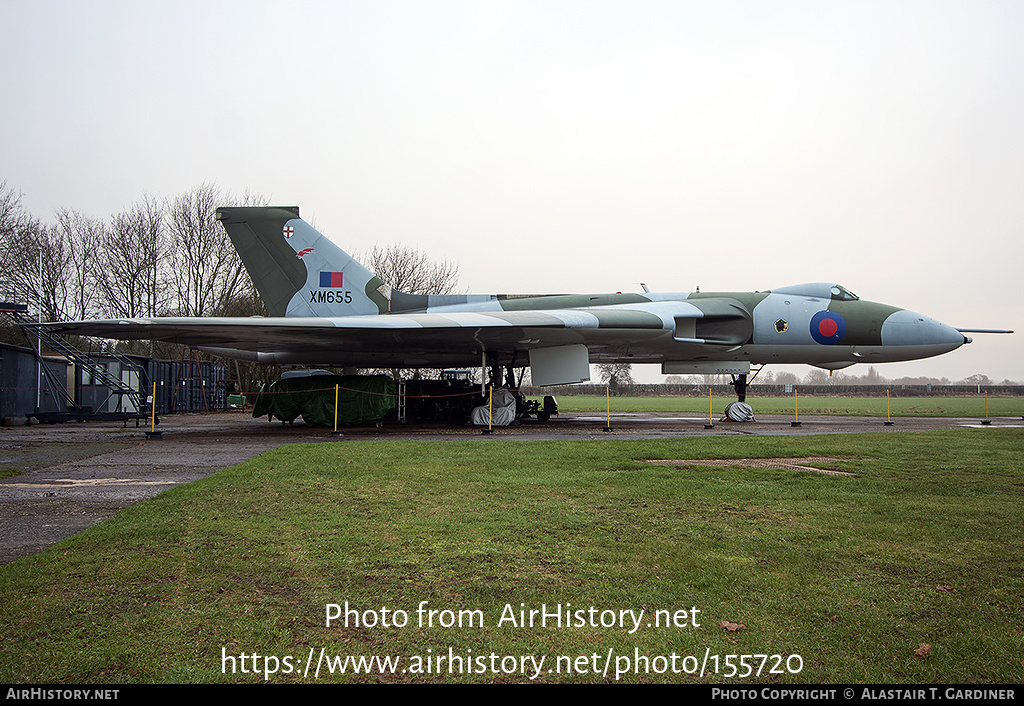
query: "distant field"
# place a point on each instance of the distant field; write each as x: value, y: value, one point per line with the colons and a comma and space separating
x: 842, y: 577
x: 847, y: 406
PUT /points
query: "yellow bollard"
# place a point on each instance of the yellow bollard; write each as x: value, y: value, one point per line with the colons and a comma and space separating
x: 153, y: 433
x: 336, y: 433
x: 490, y: 411
x: 608, y: 408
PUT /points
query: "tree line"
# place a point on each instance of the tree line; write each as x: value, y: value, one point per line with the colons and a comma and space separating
x: 158, y: 257
x: 817, y: 376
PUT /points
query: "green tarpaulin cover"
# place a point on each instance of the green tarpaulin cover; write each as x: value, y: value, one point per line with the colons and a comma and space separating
x: 361, y: 399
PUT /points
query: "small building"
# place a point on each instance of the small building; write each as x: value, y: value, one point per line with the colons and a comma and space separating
x: 181, y: 386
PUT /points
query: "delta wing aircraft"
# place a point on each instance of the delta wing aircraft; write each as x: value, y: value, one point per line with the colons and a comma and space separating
x: 327, y: 309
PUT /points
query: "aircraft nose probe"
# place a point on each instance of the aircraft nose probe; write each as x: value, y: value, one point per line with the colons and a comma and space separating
x: 968, y: 339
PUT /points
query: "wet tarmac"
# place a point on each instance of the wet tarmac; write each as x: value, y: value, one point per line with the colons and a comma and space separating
x: 77, y: 474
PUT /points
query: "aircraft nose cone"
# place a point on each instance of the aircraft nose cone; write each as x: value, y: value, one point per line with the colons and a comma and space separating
x: 907, y: 328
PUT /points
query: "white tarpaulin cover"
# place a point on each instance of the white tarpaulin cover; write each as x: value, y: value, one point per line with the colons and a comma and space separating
x: 739, y: 412
x: 504, y: 410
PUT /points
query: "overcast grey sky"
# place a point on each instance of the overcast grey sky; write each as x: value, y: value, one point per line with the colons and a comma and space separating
x: 565, y: 146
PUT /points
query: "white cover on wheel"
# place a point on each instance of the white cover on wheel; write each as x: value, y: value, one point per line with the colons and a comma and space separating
x: 739, y: 412
x: 504, y: 406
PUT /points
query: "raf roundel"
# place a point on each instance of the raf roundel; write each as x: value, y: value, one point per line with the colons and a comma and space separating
x: 827, y: 328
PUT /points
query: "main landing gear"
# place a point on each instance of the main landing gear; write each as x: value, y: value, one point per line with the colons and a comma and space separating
x: 505, y: 376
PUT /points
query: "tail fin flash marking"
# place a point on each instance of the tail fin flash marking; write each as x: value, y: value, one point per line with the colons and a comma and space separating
x: 334, y: 280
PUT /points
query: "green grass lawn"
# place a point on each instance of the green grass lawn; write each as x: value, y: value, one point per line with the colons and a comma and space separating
x: 921, y: 545
x: 807, y: 404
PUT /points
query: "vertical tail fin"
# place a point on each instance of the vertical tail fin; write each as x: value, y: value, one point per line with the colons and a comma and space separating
x: 298, y: 271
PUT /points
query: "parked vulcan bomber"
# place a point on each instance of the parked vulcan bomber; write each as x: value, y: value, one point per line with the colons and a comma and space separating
x: 327, y: 309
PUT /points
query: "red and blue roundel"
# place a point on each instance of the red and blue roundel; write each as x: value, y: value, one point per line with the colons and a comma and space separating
x: 827, y: 328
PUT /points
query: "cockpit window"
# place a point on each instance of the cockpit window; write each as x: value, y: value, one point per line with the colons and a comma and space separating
x: 819, y: 290
x: 843, y: 294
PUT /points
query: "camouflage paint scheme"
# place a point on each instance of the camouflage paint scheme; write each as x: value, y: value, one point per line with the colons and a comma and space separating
x: 327, y: 309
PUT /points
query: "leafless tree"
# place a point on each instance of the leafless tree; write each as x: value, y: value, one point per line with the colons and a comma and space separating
x: 53, y: 260
x: 159, y: 257
x: 55, y: 264
x: 33, y: 257
x: 817, y: 377
x: 615, y: 374
x: 19, y: 259
x: 133, y: 277
x: 411, y: 270
x: 207, y: 269
x: 80, y: 239
x: 785, y: 377
x: 12, y: 213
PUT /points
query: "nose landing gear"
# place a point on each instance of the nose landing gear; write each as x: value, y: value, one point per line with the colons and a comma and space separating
x: 740, y: 411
